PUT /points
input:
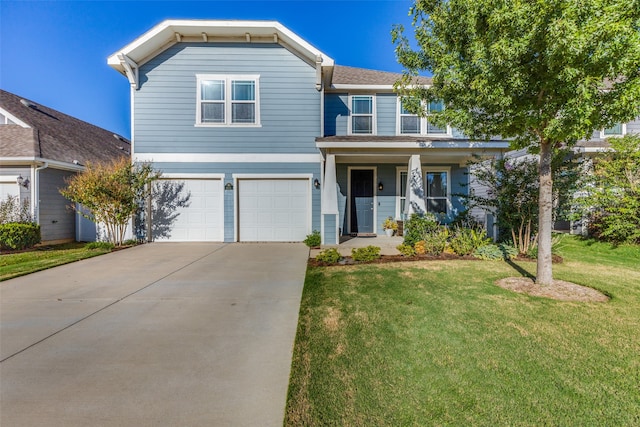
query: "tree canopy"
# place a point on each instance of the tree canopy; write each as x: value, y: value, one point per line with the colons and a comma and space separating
x: 545, y: 73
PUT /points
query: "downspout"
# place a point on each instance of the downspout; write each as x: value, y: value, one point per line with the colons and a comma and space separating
x: 36, y: 186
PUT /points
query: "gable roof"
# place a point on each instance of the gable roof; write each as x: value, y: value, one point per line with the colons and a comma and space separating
x: 351, y: 76
x: 55, y: 136
x: 171, y: 31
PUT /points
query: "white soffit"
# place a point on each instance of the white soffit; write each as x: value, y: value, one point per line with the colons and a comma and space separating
x: 170, y: 32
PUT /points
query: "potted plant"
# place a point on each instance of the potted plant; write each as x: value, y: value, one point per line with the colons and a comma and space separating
x: 390, y: 225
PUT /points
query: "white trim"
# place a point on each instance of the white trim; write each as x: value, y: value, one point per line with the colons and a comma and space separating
x: 226, y: 158
x: 13, y: 118
x: 375, y: 195
x: 308, y: 176
x: 10, y: 179
x: 429, y: 144
x: 349, y: 86
x: 373, y: 114
x: 619, y: 135
x: 187, y: 175
x: 29, y: 161
x: 227, y: 100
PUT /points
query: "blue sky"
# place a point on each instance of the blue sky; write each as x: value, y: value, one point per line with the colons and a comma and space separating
x: 55, y: 52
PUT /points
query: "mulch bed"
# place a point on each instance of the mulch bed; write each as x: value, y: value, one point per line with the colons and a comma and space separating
x: 560, y: 290
x: 384, y: 259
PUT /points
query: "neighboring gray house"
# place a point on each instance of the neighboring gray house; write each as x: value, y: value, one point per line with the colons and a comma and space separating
x: 274, y: 140
x: 39, y: 148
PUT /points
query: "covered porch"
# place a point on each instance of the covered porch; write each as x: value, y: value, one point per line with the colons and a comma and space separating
x: 364, y: 183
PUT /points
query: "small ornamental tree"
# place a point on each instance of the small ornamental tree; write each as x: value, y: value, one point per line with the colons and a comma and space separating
x: 544, y: 73
x: 111, y: 192
x: 512, y: 194
x: 611, y: 193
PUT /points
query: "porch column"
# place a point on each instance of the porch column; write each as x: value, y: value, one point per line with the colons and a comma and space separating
x: 415, y: 197
x: 330, y: 202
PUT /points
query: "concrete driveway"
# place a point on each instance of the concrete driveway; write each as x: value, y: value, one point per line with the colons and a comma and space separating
x: 160, y: 334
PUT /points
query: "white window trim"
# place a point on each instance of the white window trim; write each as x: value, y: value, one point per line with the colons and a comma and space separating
x: 624, y: 132
x: 425, y: 170
x: 374, y: 121
x: 423, y: 124
x: 227, y: 78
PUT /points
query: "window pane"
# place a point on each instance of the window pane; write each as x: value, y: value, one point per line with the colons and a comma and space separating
x: 362, y: 124
x: 213, y: 90
x: 615, y: 130
x: 243, y: 113
x: 436, y: 106
x: 243, y: 90
x: 436, y: 184
x: 362, y: 105
x: 212, y: 112
x: 431, y: 128
x: 403, y: 184
x: 410, y: 124
x: 437, y: 205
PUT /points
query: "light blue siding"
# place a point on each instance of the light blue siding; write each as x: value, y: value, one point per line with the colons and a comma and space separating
x: 57, y: 219
x: 386, y: 113
x: 165, y: 104
x: 336, y: 114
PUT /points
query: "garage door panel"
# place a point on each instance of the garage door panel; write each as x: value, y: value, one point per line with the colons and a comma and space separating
x: 273, y: 209
x: 203, y: 218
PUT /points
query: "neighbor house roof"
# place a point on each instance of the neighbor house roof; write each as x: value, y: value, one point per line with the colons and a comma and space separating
x: 55, y: 136
x: 351, y: 77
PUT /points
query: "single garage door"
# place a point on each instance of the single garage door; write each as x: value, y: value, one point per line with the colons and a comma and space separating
x: 201, y: 221
x: 273, y: 210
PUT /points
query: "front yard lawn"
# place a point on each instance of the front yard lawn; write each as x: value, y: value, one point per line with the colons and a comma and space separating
x: 438, y: 343
x: 43, y: 257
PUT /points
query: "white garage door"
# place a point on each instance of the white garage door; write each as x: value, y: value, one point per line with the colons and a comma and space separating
x: 201, y: 221
x: 273, y: 210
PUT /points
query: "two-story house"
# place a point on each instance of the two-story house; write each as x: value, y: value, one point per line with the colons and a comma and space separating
x: 273, y: 140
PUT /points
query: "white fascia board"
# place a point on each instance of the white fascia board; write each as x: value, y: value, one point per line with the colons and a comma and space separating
x: 13, y: 118
x: 30, y: 161
x: 347, y: 86
x: 414, y: 144
x: 163, y: 36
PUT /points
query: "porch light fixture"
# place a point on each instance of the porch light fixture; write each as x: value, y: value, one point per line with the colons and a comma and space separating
x: 316, y: 183
x: 380, y: 186
x: 24, y: 182
x: 228, y: 186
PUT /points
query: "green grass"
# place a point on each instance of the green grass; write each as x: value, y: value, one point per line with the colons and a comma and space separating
x: 41, y: 258
x: 437, y: 343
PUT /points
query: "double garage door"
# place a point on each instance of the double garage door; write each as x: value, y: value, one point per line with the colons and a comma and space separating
x: 268, y: 210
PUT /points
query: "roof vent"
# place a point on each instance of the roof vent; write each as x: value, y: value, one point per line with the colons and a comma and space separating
x: 28, y: 104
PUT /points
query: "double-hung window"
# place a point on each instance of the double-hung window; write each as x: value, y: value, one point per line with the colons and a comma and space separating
x: 228, y: 100
x: 412, y: 124
x: 436, y: 186
x: 619, y: 129
x: 362, y: 114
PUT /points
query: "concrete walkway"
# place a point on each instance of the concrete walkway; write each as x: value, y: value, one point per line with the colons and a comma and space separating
x: 160, y: 334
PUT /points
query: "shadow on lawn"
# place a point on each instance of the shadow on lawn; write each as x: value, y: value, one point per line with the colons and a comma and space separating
x: 520, y: 270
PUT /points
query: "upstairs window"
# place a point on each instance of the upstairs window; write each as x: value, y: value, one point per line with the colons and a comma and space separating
x: 228, y: 100
x: 412, y: 124
x: 362, y: 114
x: 619, y: 129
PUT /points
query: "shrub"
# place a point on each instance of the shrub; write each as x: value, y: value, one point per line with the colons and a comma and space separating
x: 99, y: 246
x: 313, y: 240
x: 495, y: 252
x: 435, y: 242
x: 508, y: 251
x: 14, y: 235
x: 390, y: 224
x: 416, y: 227
x: 330, y: 256
x: 466, y: 240
x: 369, y: 253
x: 406, y: 250
x: 12, y: 210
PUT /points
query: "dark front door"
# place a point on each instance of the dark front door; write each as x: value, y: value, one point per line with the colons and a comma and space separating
x: 362, y: 201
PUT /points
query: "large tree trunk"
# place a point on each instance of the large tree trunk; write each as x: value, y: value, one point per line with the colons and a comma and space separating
x: 544, y: 274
